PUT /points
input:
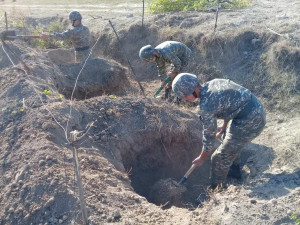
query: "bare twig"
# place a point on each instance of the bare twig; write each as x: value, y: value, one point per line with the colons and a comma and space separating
x: 165, y: 149
x: 143, y: 13
x: 75, y: 85
x: 12, y: 62
x: 96, y: 17
x: 274, y: 32
x: 6, y: 21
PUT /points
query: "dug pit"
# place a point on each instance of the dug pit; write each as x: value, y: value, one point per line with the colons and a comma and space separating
x: 156, y: 168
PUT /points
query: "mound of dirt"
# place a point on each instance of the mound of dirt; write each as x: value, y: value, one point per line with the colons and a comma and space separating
x: 98, y: 77
x: 61, y: 56
x: 167, y: 193
x: 130, y: 144
x: 128, y: 134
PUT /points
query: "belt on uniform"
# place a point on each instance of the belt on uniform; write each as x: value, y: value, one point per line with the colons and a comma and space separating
x: 82, y: 49
x: 247, y: 108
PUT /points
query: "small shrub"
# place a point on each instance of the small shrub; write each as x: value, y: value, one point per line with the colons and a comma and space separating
x: 163, y: 6
x: 50, y: 42
x: 27, y: 29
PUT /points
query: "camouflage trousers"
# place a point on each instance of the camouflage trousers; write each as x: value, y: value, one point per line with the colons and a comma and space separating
x: 246, y: 126
x: 81, y: 56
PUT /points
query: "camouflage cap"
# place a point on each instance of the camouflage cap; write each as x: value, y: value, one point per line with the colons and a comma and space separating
x: 185, y: 84
x: 74, y: 15
x: 147, y: 53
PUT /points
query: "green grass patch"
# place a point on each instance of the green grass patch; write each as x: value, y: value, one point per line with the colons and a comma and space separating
x: 296, y: 217
x: 163, y: 6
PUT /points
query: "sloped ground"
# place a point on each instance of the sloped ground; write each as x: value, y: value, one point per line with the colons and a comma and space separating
x: 136, y: 141
x: 135, y: 137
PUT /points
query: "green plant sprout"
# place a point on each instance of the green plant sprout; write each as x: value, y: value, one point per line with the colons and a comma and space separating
x: 47, y: 92
x: 296, y: 217
x: 113, y: 96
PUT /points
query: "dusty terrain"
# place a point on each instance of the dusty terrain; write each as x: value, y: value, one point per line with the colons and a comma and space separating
x: 134, y: 140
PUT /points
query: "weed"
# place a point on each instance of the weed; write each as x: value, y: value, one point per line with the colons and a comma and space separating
x: 296, y: 217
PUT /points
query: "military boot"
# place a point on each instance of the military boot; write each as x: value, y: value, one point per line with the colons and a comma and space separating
x: 168, y: 94
x: 235, y: 172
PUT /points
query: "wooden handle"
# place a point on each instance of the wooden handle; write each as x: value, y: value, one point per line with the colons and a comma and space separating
x: 191, y: 169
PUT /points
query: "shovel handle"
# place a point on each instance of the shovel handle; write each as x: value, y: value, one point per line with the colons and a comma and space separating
x: 191, y: 169
x: 187, y: 174
x: 23, y: 36
x: 29, y: 36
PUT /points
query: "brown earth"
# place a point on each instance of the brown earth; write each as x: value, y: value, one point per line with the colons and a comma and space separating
x: 135, y: 141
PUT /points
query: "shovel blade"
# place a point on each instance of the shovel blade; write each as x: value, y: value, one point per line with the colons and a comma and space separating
x: 8, y: 35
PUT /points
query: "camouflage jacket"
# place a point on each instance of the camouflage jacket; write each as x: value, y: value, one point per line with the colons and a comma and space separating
x: 79, y: 36
x: 220, y: 99
x: 171, y: 52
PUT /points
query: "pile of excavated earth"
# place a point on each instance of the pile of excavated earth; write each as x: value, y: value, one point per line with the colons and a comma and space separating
x: 129, y: 142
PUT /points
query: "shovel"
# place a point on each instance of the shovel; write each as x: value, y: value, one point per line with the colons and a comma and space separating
x: 187, y: 174
x: 191, y: 169
x: 10, y: 35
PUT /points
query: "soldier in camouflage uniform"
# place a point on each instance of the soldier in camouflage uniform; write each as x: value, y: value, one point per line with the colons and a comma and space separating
x: 173, y: 53
x: 222, y: 99
x: 79, y: 36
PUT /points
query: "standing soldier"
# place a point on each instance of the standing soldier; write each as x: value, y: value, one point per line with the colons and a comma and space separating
x: 223, y: 99
x: 169, y: 52
x: 79, y: 36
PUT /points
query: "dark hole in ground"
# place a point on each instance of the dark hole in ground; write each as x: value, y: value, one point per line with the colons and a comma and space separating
x: 151, y: 165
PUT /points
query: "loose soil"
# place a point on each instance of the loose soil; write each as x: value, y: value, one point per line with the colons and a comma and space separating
x: 131, y: 142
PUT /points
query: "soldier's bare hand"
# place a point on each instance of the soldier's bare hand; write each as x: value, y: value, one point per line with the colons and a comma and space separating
x: 44, y: 36
x: 173, y: 75
x: 198, y: 161
x: 220, y: 129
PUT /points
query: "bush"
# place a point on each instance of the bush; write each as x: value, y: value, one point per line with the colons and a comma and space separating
x: 162, y: 6
x: 49, y: 43
x: 25, y: 28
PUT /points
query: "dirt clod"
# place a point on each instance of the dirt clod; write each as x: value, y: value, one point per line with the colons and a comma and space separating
x: 166, y: 192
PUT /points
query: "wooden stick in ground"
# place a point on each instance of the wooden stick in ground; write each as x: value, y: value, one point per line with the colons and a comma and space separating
x: 78, y: 176
x: 143, y: 14
x: 217, y: 15
x: 5, y: 15
x: 124, y: 53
